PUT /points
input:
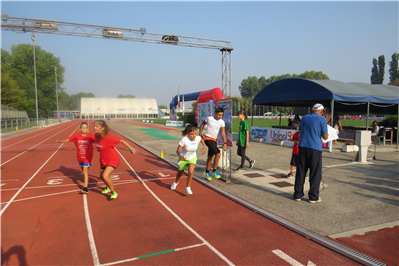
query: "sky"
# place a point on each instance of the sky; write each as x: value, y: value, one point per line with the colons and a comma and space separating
x: 269, y: 38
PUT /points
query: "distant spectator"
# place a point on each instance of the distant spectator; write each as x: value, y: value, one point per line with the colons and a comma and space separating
x: 289, y: 122
x: 375, y: 127
x: 337, y: 125
x: 296, y: 120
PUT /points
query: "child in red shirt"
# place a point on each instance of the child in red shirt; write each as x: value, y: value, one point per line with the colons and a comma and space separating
x: 84, y: 145
x: 294, y: 159
x: 109, y: 158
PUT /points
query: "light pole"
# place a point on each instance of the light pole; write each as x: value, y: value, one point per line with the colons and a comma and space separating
x: 34, y: 66
x: 56, y: 92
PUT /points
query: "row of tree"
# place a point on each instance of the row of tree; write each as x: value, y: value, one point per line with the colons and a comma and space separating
x: 18, y: 82
x: 378, y: 70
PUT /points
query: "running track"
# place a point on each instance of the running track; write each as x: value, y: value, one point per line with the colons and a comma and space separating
x: 46, y: 221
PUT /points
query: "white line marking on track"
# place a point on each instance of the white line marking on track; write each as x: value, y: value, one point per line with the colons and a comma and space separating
x: 29, y: 138
x: 177, y: 217
x: 63, y: 176
x: 93, y: 248
x: 36, y: 145
x: 27, y: 182
x: 289, y: 259
x: 9, y: 180
x: 101, y: 185
x: 162, y: 175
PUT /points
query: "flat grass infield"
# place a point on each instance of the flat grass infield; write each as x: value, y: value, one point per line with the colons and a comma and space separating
x: 266, y: 122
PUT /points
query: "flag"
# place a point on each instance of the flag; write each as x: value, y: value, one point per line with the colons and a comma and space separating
x: 178, y: 97
x: 183, y: 104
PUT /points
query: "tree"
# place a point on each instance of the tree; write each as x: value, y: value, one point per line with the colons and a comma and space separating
x: 162, y: 106
x: 394, y: 70
x: 20, y: 67
x: 126, y: 96
x: 378, y: 70
x: 249, y: 87
x: 75, y: 99
x: 13, y: 96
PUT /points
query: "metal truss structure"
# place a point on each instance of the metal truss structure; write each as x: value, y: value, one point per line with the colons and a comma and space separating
x: 141, y: 35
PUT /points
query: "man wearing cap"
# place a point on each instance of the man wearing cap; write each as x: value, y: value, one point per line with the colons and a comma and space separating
x: 313, y: 127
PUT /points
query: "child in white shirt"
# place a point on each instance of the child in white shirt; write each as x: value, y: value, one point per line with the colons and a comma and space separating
x: 187, y: 152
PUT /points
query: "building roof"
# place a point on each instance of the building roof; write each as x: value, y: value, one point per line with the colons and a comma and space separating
x: 352, y: 96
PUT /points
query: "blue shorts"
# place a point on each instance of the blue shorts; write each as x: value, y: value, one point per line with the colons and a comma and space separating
x: 84, y: 164
x: 107, y: 166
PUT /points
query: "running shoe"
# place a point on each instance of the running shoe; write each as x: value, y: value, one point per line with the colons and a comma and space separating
x: 315, y: 201
x: 207, y: 176
x: 216, y: 174
x: 114, y: 195
x: 239, y: 169
x: 188, y: 191
x: 290, y: 175
x: 174, y: 185
x: 84, y: 190
x: 105, y: 191
x: 251, y: 164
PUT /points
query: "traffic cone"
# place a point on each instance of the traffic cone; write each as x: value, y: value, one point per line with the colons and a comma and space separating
x: 161, y: 154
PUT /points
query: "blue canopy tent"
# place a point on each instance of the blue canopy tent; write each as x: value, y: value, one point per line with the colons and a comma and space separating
x: 343, y: 96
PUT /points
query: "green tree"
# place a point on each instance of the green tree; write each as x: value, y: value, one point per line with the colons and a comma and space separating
x: 126, y: 96
x: 394, y: 70
x: 378, y: 70
x: 13, y: 96
x: 20, y: 67
x: 162, y: 106
x: 75, y: 99
x: 249, y: 87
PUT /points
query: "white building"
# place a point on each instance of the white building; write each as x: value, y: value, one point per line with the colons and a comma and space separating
x: 103, y: 108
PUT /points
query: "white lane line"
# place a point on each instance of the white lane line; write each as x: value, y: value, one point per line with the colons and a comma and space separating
x: 101, y: 185
x: 177, y: 217
x: 46, y: 131
x: 63, y: 176
x: 9, y: 180
x: 136, y: 258
x: 93, y: 248
x: 35, y: 146
x: 27, y: 182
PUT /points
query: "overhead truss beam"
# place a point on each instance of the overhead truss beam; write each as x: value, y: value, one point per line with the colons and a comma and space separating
x: 84, y: 30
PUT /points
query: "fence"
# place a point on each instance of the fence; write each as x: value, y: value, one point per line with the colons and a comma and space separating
x: 16, y: 124
x: 12, y: 113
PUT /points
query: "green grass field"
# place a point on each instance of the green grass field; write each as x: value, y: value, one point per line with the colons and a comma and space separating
x: 261, y: 122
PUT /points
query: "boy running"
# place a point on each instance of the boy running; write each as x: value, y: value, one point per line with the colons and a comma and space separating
x: 215, y: 124
x: 84, y: 145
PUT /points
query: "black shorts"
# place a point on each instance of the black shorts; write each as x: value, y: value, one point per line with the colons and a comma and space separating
x: 102, y: 168
x: 212, y: 147
x: 294, y: 160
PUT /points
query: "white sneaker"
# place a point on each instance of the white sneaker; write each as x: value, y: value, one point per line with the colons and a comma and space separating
x: 188, y: 190
x: 315, y: 201
x: 174, y: 185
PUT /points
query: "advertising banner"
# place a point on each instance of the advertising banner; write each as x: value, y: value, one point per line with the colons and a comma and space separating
x: 227, y: 105
x: 268, y: 134
x: 174, y: 123
x: 205, y: 110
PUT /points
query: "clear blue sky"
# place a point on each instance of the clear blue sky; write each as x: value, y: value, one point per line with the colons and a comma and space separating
x: 269, y: 38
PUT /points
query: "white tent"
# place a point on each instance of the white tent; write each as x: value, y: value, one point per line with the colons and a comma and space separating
x: 118, y: 108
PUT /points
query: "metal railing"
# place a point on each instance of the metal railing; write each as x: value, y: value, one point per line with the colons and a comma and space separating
x: 12, y: 124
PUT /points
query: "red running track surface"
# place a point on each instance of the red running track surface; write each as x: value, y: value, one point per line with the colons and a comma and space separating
x: 49, y: 222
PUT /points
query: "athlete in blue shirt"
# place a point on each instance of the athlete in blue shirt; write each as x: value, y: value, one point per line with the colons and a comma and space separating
x: 313, y: 127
